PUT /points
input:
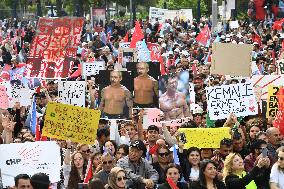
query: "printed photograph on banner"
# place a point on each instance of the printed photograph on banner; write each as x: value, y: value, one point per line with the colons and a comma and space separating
x: 174, y: 97
x: 115, y: 94
x: 72, y: 92
x: 234, y: 98
x: 126, y: 55
x: 146, y: 76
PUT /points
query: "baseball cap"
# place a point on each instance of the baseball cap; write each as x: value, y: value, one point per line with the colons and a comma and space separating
x: 153, y: 127
x: 137, y: 144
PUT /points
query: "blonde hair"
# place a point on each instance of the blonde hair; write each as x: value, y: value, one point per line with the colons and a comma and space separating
x: 228, y: 163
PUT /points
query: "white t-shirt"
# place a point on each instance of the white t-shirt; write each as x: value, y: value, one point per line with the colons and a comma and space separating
x: 194, y: 174
x: 277, y: 176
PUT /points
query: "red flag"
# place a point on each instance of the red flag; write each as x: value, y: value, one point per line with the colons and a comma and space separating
x: 259, y: 9
x: 77, y: 73
x: 162, y: 66
x: 160, y: 27
x: 172, y: 183
x: 89, y: 172
x: 278, y: 24
x: 137, y: 35
x: 256, y: 38
x: 126, y: 37
x: 203, y: 36
x: 37, y: 134
x: 153, y: 149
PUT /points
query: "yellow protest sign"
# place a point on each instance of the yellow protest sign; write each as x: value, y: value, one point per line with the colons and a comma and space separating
x: 64, y: 121
x: 272, y: 103
x: 205, y: 137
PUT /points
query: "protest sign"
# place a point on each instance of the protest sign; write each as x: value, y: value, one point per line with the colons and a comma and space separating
x: 29, y: 158
x: 263, y: 81
x: 272, y: 102
x: 156, y: 13
x: 143, y: 53
x: 181, y: 14
x: 3, y: 98
x: 231, y: 59
x: 126, y: 55
x: 98, y: 16
x: 234, y: 24
x: 205, y: 137
x: 64, y: 121
x: 18, y: 93
x: 72, y: 92
x: 152, y: 117
x: 280, y: 66
x: 92, y: 68
x: 54, y: 47
x: 235, y: 98
x: 124, y: 45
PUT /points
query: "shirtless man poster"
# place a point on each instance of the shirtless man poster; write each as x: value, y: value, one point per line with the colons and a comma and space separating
x: 145, y: 87
x: 115, y: 98
x: 172, y: 102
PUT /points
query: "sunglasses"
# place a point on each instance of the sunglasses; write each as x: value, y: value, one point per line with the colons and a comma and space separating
x: 281, y: 158
x: 87, y: 151
x: 107, y: 162
x: 163, y: 154
x: 121, y: 178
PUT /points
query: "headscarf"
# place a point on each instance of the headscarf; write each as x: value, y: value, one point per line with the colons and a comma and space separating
x: 113, y: 177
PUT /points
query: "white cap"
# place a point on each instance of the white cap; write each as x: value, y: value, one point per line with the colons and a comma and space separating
x: 96, y: 33
x: 170, y: 52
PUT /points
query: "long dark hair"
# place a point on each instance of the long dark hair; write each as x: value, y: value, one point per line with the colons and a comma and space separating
x: 192, y: 149
x: 202, y: 167
x: 74, y: 176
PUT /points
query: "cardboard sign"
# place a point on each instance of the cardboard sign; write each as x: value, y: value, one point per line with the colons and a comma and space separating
x: 126, y: 55
x: 263, y: 81
x: 235, y: 98
x: 272, y: 102
x: 231, y: 59
x: 3, y: 98
x: 64, y: 121
x: 29, y: 158
x: 92, y: 68
x: 54, y: 47
x: 72, y: 92
x: 205, y: 137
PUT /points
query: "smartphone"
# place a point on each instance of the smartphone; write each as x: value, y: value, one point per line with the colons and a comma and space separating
x: 182, y: 138
x: 264, y: 152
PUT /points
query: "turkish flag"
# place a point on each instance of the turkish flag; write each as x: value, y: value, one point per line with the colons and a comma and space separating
x: 126, y: 37
x: 77, y: 73
x: 278, y: 24
x: 89, y: 172
x: 256, y: 38
x: 153, y: 149
x: 172, y: 183
x: 259, y: 9
x: 138, y: 35
x: 162, y: 66
x: 204, y: 35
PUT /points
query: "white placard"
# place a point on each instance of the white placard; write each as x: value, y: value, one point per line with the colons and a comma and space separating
x: 72, y: 92
x: 157, y: 13
x: 234, y: 24
x: 92, y: 68
x: 29, y: 158
x: 18, y: 93
x: 124, y: 45
x: 235, y: 98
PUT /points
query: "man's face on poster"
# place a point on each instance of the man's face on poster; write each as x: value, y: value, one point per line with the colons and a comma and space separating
x: 172, y: 83
x: 142, y: 69
x: 115, y: 78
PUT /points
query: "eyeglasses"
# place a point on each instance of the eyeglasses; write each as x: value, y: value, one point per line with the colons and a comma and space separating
x: 163, y: 154
x: 107, y: 162
x: 281, y: 158
x: 86, y: 151
x: 121, y: 178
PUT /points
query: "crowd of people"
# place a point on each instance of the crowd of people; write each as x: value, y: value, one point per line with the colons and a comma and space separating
x: 152, y: 157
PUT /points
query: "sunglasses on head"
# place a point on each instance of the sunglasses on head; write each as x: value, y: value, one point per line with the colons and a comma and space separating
x: 121, y: 178
x: 107, y: 162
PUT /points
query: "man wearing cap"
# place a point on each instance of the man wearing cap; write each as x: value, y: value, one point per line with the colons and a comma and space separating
x: 139, y: 172
x: 145, y: 87
x: 114, y: 98
x: 172, y: 102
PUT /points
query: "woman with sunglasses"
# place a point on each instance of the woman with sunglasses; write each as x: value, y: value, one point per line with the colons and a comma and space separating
x: 117, y: 178
x: 173, y: 174
x: 163, y: 154
x: 208, y: 177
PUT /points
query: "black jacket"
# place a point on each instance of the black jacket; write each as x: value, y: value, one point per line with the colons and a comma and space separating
x: 234, y: 182
x: 197, y: 185
x: 180, y: 185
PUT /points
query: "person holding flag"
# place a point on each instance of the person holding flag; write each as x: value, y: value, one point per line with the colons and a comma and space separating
x: 173, y: 174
